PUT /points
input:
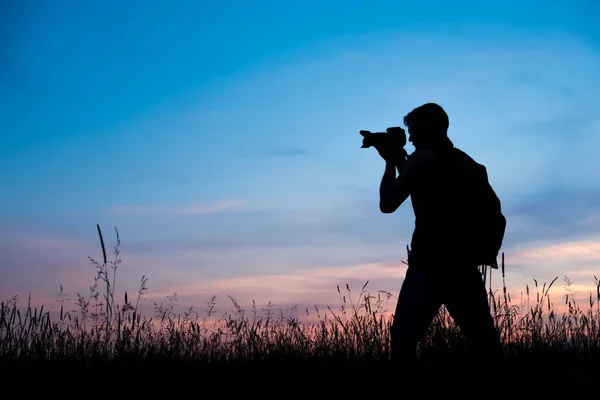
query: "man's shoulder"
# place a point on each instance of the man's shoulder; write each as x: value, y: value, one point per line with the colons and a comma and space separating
x: 460, y: 153
x: 450, y: 158
x: 421, y: 157
x: 420, y: 164
x: 468, y: 166
x: 465, y: 156
x: 428, y: 158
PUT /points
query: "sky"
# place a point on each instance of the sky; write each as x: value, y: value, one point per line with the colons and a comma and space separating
x: 221, y: 140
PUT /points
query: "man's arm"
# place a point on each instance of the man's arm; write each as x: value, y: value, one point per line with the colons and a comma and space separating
x: 393, y: 190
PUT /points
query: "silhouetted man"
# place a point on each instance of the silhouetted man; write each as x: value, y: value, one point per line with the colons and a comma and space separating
x: 442, y: 269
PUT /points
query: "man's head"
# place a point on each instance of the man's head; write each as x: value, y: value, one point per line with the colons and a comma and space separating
x: 427, y: 125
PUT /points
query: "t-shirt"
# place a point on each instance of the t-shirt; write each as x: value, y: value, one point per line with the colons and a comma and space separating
x: 439, y: 189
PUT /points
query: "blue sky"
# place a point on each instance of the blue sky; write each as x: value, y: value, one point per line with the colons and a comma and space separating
x: 222, y: 139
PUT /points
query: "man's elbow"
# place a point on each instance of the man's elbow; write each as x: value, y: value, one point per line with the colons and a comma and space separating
x: 387, y: 207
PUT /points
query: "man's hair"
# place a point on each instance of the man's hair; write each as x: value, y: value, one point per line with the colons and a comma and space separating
x: 430, y: 115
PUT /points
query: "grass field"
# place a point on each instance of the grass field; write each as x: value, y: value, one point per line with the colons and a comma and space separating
x: 106, y: 332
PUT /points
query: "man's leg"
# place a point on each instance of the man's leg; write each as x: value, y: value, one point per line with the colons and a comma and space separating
x: 418, y: 303
x: 465, y: 297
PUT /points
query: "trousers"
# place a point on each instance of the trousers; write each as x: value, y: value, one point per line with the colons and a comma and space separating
x: 424, y: 291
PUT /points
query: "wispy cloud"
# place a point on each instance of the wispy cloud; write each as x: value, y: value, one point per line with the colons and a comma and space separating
x: 584, y: 250
x: 556, y: 212
x: 577, y: 260
x: 316, y: 285
x: 185, y: 210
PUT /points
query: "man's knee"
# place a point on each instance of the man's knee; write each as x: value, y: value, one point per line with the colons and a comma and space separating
x: 403, y: 336
x: 403, y: 345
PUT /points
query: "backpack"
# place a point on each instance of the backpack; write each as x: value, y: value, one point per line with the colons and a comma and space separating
x: 482, y: 223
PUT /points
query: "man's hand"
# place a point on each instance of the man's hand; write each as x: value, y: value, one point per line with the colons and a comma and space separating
x: 387, y: 152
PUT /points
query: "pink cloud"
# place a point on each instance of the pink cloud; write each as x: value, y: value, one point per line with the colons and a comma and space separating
x: 584, y: 250
x: 308, y: 287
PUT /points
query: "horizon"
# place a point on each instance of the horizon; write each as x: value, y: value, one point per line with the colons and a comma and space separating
x: 223, y: 142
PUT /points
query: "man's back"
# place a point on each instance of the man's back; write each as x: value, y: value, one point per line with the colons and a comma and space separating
x: 444, y: 201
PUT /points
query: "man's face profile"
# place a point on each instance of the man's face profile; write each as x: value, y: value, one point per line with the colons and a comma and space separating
x: 415, y: 133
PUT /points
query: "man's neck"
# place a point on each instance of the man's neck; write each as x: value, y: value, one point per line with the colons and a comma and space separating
x: 441, y: 143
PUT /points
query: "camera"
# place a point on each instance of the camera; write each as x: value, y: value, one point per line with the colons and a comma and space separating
x: 393, y: 137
